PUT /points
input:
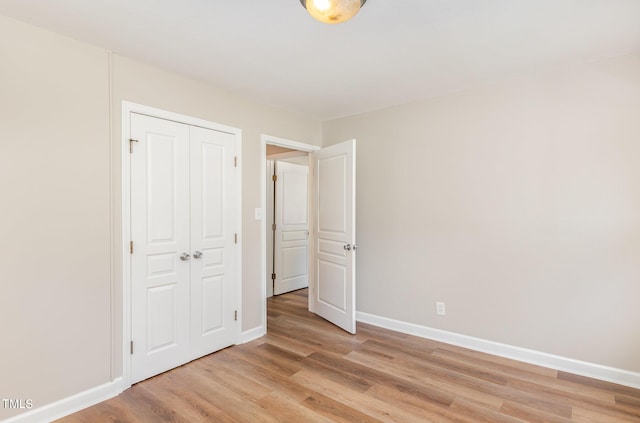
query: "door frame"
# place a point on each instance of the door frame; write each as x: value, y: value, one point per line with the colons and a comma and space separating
x: 295, y: 145
x: 127, y: 109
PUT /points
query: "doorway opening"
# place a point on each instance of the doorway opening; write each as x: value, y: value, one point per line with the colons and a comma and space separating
x: 291, y: 159
x: 287, y: 220
x: 331, y: 245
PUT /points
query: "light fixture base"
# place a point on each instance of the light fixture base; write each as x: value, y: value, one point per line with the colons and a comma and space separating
x: 332, y: 11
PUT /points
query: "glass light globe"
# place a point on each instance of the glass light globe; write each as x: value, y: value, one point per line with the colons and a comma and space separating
x: 332, y: 11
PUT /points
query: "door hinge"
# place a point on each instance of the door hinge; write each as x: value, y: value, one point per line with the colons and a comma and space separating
x: 273, y: 276
x: 235, y: 238
x: 131, y: 347
x: 274, y: 178
x: 235, y: 161
x: 130, y: 247
x: 235, y: 315
x: 131, y: 141
x: 273, y: 226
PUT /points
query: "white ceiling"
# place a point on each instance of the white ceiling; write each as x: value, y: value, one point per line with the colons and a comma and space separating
x: 392, y: 52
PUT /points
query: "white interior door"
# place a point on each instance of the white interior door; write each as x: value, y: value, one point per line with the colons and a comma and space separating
x: 213, y: 214
x: 160, y: 234
x: 291, y: 252
x: 334, y: 296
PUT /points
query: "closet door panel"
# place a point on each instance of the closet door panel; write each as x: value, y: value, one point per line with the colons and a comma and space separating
x: 160, y: 234
x: 213, y: 221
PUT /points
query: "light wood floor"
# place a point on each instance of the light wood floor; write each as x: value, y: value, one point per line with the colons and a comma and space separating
x: 306, y: 370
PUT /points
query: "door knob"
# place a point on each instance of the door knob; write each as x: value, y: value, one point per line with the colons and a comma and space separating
x: 347, y: 247
x: 197, y: 254
x: 184, y: 256
x: 355, y: 247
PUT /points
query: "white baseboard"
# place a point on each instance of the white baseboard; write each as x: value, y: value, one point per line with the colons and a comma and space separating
x: 69, y: 405
x: 596, y: 371
x: 251, y: 334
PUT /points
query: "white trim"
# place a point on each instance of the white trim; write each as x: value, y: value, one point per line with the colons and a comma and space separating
x: 239, y: 214
x: 69, y: 405
x: 286, y: 155
x: 125, y: 165
x: 280, y: 142
x: 251, y: 334
x: 127, y: 109
x: 596, y: 371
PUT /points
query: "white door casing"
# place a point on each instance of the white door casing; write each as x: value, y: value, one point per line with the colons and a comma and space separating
x: 183, y: 188
x: 270, y: 219
x: 335, y: 234
x: 291, y: 252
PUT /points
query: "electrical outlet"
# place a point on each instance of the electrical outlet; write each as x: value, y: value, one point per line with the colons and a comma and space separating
x: 440, y: 310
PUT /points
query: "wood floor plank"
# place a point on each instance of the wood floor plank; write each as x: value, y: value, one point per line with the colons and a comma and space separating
x: 601, y: 384
x: 602, y: 407
x: 337, y: 411
x: 293, y: 345
x: 583, y: 415
x: 415, y: 406
x: 376, y: 376
x: 350, y: 380
x: 434, y: 383
x: 283, y: 385
x: 169, y: 389
x: 631, y: 401
x: 290, y: 410
x: 232, y: 380
x: 307, y: 370
x: 377, y: 409
x: 544, y: 371
x: 480, y: 413
x: 237, y: 407
x: 529, y: 414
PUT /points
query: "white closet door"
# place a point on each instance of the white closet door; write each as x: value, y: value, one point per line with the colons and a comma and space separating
x: 160, y: 234
x: 213, y: 219
x: 183, y: 229
x: 291, y: 261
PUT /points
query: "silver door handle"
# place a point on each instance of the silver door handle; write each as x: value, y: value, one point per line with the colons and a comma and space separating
x: 347, y: 247
x: 197, y: 254
x: 355, y: 247
x: 184, y: 256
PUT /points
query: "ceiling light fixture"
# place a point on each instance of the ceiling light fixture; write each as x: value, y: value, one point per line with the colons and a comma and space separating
x: 333, y: 11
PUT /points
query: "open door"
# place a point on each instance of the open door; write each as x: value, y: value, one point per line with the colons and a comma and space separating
x: 334, y: 296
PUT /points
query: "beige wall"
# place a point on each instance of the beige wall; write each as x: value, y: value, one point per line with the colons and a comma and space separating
x: 61, y: 269
x: 54, y: 230
x: 517, y: 204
